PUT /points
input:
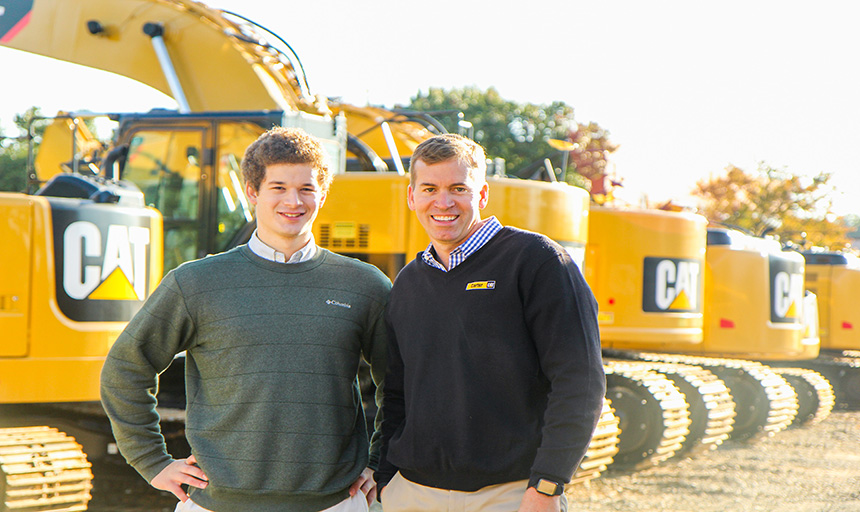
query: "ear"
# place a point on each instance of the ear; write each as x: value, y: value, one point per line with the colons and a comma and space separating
x: 484, y: 196
x: 323, y: 197
x: 410, y: 201
x: 251, y: 193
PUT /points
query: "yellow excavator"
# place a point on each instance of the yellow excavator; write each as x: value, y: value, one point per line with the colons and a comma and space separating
x: 185, y: 163
x: 834, y: 277
x: 703, y: 307
x: 79, y: 257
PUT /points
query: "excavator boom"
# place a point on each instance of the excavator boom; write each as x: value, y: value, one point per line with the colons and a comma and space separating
x: 218, y: 64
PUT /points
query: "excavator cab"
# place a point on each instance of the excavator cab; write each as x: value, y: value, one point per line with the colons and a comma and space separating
x: 187, y: 166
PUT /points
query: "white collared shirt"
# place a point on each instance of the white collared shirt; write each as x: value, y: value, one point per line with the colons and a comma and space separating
x: 263, y: 250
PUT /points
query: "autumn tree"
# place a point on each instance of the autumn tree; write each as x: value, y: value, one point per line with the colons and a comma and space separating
x: 769, y: 200
x: 590, y: 156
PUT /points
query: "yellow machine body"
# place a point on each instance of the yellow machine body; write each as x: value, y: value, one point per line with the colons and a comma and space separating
x: 80, y: 271
x: 747, y: 315
x: 250, y: 74
x: 243, y: 78
x: 65, y: 141
x: 645, y: 268
x: 835, y: 279
x: 366, y: 216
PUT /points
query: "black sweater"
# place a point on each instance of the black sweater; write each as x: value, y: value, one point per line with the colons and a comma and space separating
x: 494, y: 369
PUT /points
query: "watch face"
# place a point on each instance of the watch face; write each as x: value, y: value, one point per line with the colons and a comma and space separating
x: 546, y: 487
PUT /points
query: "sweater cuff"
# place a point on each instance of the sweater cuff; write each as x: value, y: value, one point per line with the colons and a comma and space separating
x: 152, y: 468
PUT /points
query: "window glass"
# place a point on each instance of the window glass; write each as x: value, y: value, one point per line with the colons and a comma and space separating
x: 165, y: 165
x: 233, y: 209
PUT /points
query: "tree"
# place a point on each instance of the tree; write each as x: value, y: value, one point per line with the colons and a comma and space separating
x: 796, y: 208
x: 13, y: 154
x: 853, y: 224
x: 13, y: 150
x: 589, y: 156
x: 526, y: 134
x: 513, y: 131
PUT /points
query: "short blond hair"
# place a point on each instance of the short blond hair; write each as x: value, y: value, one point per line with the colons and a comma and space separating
x: 450, y: 146
x: 284, y: 146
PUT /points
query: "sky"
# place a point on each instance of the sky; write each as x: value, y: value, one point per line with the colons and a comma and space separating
x: 684, y: 88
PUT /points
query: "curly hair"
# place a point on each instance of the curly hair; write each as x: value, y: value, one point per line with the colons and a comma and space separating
x: 450, y: 146
x: 284, y: 146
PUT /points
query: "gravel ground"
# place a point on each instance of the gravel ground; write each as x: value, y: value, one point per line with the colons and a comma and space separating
x: 809, y: 469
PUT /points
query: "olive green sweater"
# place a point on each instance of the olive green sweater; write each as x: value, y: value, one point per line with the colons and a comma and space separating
x: 274, y: 413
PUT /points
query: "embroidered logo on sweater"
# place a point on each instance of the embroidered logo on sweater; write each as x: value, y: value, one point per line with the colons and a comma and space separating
x: 331, y: 302
x: 481, y: 285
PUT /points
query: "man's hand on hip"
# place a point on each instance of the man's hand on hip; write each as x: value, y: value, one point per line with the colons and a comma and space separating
x: 366, y: 484
x: 177, y: 473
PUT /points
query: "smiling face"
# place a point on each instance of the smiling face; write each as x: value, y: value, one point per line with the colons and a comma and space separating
x: 447, y: 200
x: 287, y: 202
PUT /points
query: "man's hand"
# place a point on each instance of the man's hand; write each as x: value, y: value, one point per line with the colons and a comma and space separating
x: 366, y: 484
x: 182, y: 471
x: 534, y: 501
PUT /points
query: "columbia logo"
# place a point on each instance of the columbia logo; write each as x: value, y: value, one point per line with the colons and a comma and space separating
x: 331, y: 302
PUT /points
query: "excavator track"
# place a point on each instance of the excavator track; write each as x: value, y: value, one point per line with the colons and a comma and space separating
x: 653, y: 416
x: 43, y: 470
x: 764, y: 402
x: 815, y: 397
x: 602, y: 449
x: 842, y: 369
x: 712, y: 410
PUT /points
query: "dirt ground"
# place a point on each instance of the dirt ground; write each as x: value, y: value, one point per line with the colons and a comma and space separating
x: 809, y: 469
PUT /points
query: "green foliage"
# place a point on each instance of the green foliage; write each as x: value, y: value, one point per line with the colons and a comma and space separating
x: 794, y: 207
x: 13, y: 168
x: 513, y: 131
x: 13, y: 154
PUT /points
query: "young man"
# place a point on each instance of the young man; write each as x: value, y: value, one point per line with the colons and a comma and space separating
x: 273, y: 332
x: 495, y: 380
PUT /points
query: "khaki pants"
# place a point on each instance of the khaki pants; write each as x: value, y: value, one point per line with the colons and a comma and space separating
x: 402, y: 495
x: 357, y: 503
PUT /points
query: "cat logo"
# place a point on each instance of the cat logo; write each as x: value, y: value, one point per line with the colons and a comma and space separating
x: 102, y: 260
x: 786, y: 290
x: 672, y: 285
x: 122, y: 273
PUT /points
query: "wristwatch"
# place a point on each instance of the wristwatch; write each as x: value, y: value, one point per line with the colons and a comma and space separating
x: 548, y: 487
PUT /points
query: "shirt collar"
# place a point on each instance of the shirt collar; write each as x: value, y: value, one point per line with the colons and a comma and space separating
x: 478, y: 239
x: 263, y: 250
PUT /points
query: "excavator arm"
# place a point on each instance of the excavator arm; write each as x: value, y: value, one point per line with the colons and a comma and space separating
x: 219, y: 64
x: 204, y: 58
